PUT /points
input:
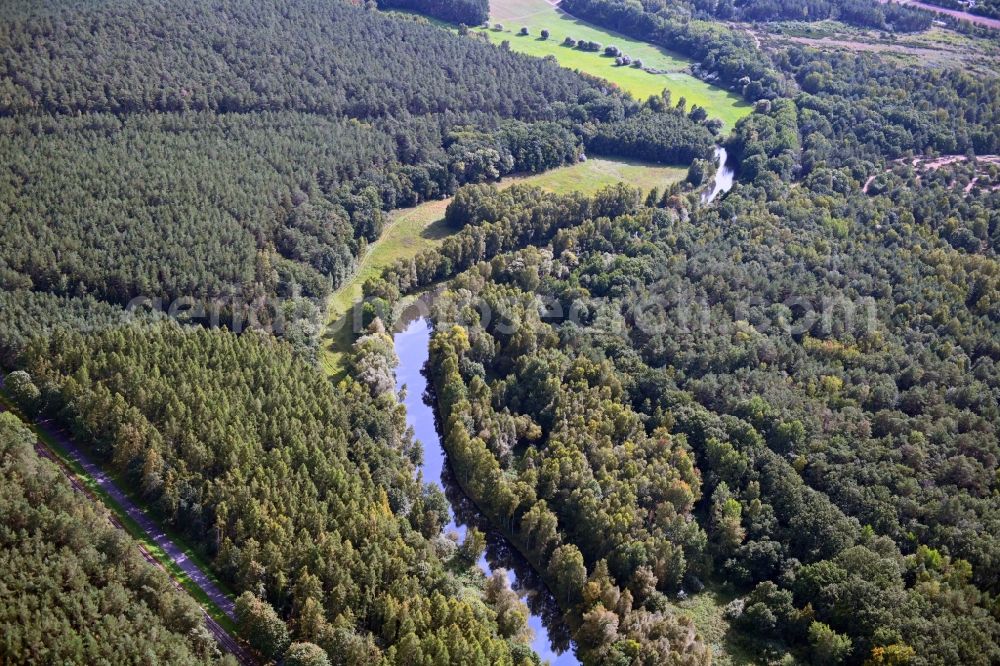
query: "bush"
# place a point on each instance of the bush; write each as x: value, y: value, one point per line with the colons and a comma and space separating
x: 23, y: 392
x: 524, y: 30
x: 261, y: 625
x: 828, y: 646
x: 544, y: 34
x: 305, y: 654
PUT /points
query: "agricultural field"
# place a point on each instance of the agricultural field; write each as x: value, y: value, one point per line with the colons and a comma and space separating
x: 538, y: 15
x: 413, y: 230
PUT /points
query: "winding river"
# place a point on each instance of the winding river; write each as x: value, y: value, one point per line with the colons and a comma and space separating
x: 411, y: 342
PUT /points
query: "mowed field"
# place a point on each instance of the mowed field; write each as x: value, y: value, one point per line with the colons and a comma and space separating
x: 540, y: 14
x: 413, y: 230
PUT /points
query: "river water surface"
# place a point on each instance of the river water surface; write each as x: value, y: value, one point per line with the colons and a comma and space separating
x: 724, y: 176
x: 411, y: 342
x: 411, y: 345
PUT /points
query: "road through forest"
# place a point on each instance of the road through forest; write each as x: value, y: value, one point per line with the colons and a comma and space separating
x: 153, y: 531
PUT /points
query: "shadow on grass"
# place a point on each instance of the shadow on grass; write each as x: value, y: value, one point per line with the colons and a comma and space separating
x: 337, y: 341
x: 436, y: 231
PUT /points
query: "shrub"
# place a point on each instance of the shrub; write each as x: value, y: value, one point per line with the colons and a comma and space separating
x: 23, y: 392
x: 305, y: 654
x: 828, y: 646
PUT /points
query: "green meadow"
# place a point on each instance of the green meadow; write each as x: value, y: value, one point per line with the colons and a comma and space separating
x: 413, y: 230
x: 537, y: 15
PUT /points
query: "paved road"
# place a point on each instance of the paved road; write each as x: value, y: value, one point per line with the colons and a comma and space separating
x: 149, y: 526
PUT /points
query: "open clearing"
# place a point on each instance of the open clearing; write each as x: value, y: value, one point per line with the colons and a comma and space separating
x: 539, y: 14
x: 937, y: 48
x: 707, y: 610
x: 413, y: 230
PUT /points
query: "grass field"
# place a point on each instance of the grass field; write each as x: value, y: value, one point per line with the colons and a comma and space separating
x: 597, y: 172
x: 413, y: 230
x: 539, y: 14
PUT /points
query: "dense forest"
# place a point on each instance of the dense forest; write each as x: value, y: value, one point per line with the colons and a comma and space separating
x: 835, y: 482
x: 814, y: 358
x: 302, y: 495
x: 75, y: 589
x: 463, y: 12
x: 790, y: 393
x: 251, y: 149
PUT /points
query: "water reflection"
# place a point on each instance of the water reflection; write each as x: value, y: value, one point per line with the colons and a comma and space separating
x: 724, y: 176
x: 411, y: 342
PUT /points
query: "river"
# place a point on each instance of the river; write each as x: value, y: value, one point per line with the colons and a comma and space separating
x: 411, y: 341
x: 411, y: 345
x: 724, y: 176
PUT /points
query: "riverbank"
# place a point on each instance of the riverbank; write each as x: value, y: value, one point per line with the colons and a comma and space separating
x: 412, y: 347
x: 413, y: 230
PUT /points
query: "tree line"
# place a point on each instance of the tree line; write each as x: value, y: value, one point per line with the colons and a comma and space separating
x: 892, y: 17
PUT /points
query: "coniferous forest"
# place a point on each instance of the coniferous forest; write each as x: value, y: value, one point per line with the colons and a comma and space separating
x: 254, y: 146
x: 75, y: 589
x: 758, y: 423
